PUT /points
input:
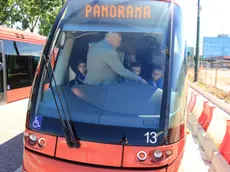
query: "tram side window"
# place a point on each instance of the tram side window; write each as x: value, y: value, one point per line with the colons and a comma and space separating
x: 22, y: 60
x: 178, y: 83
x: 179, y: 61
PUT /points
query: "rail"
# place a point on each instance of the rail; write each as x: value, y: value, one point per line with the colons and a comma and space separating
x: 219, y: 103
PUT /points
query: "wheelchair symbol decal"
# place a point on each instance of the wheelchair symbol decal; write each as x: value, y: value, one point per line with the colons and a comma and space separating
x: 37, y: 122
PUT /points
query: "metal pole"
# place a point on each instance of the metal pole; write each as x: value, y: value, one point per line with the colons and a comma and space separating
x: 217, y: 66
x: 197, y: 43
x: 206, y: 67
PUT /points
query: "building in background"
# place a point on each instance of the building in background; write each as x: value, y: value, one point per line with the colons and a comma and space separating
x: 216, y: 48
x: 190, y: 52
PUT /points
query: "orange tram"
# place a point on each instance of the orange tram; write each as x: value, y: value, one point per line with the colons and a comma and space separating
x: 19, y: 54
x: 111, y: 121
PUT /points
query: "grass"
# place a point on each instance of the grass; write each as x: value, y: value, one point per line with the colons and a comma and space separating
x: 213, y: 90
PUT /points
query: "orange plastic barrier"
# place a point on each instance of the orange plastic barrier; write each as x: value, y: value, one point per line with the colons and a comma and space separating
x: 192, y: 101
x: 202, y: 116
x: 225, y: 145
x: 206, y: 115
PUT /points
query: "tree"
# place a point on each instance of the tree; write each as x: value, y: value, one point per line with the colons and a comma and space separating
x: 48, y: 19
x: 33, y: 12
x: 8, y: 13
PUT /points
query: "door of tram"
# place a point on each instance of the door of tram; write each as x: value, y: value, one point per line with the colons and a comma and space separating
x: 2, y: 75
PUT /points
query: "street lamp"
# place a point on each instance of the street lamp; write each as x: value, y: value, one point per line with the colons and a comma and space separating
x: 197, y: 43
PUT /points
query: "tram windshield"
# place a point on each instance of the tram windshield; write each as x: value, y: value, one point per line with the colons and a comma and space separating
x: 112, y: 72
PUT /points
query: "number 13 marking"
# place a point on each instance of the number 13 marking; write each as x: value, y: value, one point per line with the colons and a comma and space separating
x: 151, y: 137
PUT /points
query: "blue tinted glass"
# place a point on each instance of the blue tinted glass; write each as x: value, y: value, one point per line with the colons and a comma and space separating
x: 216, y: 46
x: 178, y: 74
x: 9, y: 47
x: 23, y: 48
x: 29, y: 49
x: 21, y: 61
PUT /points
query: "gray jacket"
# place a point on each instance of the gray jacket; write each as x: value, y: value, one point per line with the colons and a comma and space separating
x: 104, y: 66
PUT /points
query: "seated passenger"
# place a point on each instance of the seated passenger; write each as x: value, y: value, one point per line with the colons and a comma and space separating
x: 80, y: 75
x: 157, y: 77
x: 136, y: 69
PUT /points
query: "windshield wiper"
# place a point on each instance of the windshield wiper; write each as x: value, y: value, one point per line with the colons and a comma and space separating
x: 66, y: 125
x: 164, y: 119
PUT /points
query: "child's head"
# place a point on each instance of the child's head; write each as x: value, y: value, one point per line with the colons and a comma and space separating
x: 157, y: 73
x: 82, y: 67
x: 135, y: 68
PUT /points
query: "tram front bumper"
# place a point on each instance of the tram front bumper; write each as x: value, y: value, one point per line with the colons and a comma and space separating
x: 35, y: 162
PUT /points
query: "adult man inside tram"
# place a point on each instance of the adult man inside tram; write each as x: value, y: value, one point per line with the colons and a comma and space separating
x: 103, y: 64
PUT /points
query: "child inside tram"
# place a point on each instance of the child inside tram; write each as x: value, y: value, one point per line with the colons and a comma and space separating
x: 81, y: 73
x: 135, y: 68
x: 157, y: 77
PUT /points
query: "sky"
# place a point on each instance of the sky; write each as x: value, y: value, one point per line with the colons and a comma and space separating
x: 214, y: 19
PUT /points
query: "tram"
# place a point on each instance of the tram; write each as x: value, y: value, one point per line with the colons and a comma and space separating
x: 19, y: 56
x: 113, y: 96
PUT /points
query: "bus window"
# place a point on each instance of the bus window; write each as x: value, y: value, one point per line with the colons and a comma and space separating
x: 2, y: 89
x: 29, y: 49
x: 22, y: 62
x: 32, y: 50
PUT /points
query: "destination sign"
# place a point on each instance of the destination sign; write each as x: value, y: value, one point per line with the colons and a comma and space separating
x: 104, y: 14
x: 119, y: 11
